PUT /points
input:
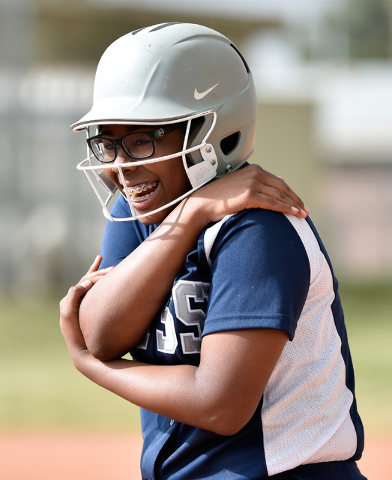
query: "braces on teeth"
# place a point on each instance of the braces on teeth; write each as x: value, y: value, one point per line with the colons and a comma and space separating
x: 138, y: 190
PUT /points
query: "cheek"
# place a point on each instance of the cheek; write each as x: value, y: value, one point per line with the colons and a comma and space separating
x: 179, y: 179
x: 186, y: 186
x: 112, y: 176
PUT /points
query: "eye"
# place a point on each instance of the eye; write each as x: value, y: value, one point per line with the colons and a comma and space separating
x: 107, y: 145
x: 139, y: 145
x: 136, y: 141
x: 142, y: 141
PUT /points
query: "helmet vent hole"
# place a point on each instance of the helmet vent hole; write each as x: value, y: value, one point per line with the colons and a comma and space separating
x: 228, y: 144
x: 138, y: 30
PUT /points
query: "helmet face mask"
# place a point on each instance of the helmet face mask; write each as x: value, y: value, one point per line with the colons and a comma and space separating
x: 198, y: 173
x: 173, y: 73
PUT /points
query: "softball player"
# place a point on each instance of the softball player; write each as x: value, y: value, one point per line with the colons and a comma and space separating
x: 240, y: 360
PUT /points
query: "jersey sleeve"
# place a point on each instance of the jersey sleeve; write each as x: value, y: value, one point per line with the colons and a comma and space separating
x: 260, y: 274
x: 120, y: 238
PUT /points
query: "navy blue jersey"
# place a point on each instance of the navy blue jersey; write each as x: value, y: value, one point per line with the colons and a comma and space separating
x: 255, y: 269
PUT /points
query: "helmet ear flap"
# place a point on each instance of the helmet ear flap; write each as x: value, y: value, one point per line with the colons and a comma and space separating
x: 200, y: 126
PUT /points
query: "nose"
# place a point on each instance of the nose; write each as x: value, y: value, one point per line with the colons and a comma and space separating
x: 123, y: 157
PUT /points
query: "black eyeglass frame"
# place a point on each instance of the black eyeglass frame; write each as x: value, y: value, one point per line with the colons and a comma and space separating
x: 119, y: 142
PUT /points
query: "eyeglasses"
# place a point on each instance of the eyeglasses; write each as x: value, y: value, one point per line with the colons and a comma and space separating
x: 136, y: 145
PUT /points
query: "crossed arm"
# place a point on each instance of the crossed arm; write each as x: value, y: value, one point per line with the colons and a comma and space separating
x: 220, y: 394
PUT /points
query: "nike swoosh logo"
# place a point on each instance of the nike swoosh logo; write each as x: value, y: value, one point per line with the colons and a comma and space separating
x: 199, y: 96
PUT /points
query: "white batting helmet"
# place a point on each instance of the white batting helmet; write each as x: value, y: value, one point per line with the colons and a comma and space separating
x: 171, y: 73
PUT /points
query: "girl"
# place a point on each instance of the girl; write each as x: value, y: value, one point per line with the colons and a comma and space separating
x: 240, y: 360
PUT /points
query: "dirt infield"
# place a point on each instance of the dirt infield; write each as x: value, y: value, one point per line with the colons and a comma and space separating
x: 106, y: 457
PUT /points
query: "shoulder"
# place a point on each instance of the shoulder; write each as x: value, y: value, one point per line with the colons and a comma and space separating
x: 121, y: 238
x: 272, y: 236
x: 258, y: 218
x: 259, y: 272
x: 252, y: 228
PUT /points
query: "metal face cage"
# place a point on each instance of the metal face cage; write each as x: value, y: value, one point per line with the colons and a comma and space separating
x: 199, y: 173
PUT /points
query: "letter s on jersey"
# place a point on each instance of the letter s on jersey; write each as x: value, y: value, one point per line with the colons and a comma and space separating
x: 191, y: 315
x: 182, y: 293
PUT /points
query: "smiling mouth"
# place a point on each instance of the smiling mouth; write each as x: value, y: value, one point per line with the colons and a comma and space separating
x: 142, y: 192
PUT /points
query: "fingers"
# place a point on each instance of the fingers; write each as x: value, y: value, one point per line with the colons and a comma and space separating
x: 71, y: 302
x: 95, y: 265
x: 248, y: 187
x: 286, y: 194
x: 69, y: 319
x: 287, y: 202
x: 269, y: 202
x: 94, y: 276
x: 86, y: 284
x: 279, y: 193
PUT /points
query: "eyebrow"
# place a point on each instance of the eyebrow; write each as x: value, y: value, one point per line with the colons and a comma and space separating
x: 105, y: 131
x: 108, y: 131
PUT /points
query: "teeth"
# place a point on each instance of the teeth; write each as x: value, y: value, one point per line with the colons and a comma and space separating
x: 134, y: 192
x: 141, y: 199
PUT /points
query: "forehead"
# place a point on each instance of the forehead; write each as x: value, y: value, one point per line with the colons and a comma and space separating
x: 116, y: 129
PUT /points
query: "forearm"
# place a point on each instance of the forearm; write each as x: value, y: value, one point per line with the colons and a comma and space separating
x: 118, y: 310
x: 220, y: 395
x: 177, y: 392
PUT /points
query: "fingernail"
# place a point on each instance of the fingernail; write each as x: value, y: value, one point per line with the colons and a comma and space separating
x: 306, y: 209
x: 294, y: 209
x: 86, y: 283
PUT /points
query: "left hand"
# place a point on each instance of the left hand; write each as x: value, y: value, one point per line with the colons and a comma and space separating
x: 248, y: 187
x: 69, y: 318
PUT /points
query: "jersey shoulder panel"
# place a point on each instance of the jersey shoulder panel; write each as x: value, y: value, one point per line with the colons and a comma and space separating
x: 310, y: 243
x: 259, y: 272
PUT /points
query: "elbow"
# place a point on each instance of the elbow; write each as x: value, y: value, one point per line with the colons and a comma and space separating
x: 101, y: 351
x: 227, y: 421
x: 222, y: 407
x: 227, y: 428
x: 98, y: 340
x: 97, y: 346
x: 103, y: 345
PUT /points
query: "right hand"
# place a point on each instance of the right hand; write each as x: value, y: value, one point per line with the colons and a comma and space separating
x: 249, y: 187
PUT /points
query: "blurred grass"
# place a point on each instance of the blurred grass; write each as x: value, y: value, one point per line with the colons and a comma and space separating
x: 41, y: 390
x: 368, y: 313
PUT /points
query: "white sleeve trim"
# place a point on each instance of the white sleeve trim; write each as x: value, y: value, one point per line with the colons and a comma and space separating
x: 210, y: 237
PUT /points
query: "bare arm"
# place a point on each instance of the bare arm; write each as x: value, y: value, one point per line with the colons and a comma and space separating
x: 116, y: 313
x: 219, y: 395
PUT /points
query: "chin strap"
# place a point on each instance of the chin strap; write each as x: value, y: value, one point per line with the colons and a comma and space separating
x: 203, y: 172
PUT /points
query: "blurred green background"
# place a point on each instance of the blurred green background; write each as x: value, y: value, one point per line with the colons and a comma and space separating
x: 41, y: 390
x: 323, y: 72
